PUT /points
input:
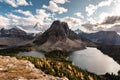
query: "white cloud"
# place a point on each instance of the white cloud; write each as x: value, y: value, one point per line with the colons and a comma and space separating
x: 91, y: 20
x: 26, y: 13
x: 16, y: 3
x: 107, y: 22
x: 90, y: 9
x: 40, y: 17
x: 78, y: 14
x: 55, y: 8
x: 94, y: 24
x: 115, y: 27
x: 72, y: 22
x: 89, y: 27
x: 13, y: 19
x: 116, y: 8
x: 105, y: 3
x: 108, y: 18
x: 111, y: 20
x: 3, y: 21
x: 60, y: 1
x: 102, y: 17
x: 17, y: 20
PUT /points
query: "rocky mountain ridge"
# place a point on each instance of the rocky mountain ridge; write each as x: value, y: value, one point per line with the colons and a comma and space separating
x: 103, y: 37
x: 15, y: 37
x: 15, y: 33
x: 59, y: 36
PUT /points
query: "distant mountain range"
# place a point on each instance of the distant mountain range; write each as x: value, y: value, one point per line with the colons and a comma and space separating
x: 37, y: 28
x: 103, y: 37
x: 59, y: 36
x: 19, y: 35
x: 14, y: 37
x: 78, y: 31
x: 15, y: 33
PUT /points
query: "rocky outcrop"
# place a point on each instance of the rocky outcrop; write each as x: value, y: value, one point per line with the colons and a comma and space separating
x: 13, y: 69
x: 59, y: 36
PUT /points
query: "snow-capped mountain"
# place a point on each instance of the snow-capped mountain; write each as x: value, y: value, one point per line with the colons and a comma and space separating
x: 78, y: 31
x: 37, y: 27
x: 31, y: 28
x: 14, y: 37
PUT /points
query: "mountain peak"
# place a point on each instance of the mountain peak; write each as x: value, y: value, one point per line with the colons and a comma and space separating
x: 59, y: 28
x: 38, y: 28
x: 78, y: 31
x: 58, y: 31
x: 36, y: 25
x: 59, y: 36
x: 58, y: 25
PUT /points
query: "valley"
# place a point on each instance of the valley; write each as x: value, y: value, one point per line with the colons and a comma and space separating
x: 61, y: 52
x: 59, y: 39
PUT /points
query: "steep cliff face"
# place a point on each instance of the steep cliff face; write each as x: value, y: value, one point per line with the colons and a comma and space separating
x: 13, y: 69
x: 59, y: 36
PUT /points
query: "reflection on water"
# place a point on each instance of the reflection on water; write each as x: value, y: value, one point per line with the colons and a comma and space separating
x: 32, y: 53
x: 90, y: 59
x: 95, y: 61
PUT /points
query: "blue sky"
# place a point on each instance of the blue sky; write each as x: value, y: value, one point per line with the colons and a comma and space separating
x: 72, y: 6
x: 75, y: 12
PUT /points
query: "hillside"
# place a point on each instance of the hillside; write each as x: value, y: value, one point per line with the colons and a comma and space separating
x: 13, y: 69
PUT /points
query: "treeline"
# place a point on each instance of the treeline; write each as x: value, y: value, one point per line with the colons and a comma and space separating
x: 111, y: 50
x: 12, y: 51
x: 56, y: 64
x: 108, y: 76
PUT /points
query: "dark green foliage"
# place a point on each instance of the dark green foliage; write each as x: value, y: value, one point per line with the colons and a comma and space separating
x: 111, y: 77
x: 12, y: 51
x: 111, y: 50
x: 56, y: 64
x: 58, y: 55
x: 119, y: 72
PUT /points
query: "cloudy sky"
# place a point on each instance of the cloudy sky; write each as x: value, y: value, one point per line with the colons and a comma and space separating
x: 87, y: 15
